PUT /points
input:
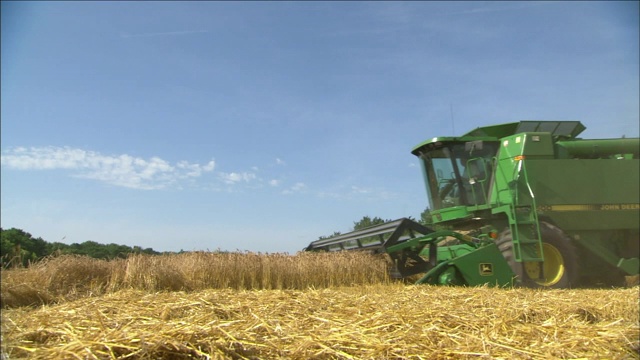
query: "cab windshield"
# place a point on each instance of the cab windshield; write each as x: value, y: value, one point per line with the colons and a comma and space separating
x: 457, y: 175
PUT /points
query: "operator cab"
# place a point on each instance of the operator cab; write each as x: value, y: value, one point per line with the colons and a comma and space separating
x: 457, y: 173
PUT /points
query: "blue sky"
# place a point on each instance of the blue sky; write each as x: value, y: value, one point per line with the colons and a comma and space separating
x: 261, y: 126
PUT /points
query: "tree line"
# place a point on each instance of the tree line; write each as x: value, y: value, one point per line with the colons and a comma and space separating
x: 19, y: 248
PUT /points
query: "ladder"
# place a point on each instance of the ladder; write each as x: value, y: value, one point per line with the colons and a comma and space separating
x: 523, y: 221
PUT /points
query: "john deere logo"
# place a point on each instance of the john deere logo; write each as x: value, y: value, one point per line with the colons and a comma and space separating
x: 486, y: 269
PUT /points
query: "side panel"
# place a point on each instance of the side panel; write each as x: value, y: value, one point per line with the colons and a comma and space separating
x: 597, y: 203
x: 583, y: 194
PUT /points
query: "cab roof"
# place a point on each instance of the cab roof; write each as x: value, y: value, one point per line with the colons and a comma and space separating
x: 559, y: 128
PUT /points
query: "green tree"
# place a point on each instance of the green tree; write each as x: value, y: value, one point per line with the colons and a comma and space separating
x: 94, y: 249
x: 366, y: 222
x: 7, y: 248
x: 57, y: 248
x: 425, y: 217
x: 335, y: 233
x: 150, y: 251
x: 18, y: 247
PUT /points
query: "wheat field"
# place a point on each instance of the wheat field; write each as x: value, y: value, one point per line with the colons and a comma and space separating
x: 70, y: 277
x: 304, y: 306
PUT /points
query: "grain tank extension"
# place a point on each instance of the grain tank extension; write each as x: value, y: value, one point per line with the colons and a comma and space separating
x: 530, y: 203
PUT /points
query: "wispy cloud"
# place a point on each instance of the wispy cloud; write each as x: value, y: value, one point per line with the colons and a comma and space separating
x: 234, y: 177
x: 360, y: 190
x: 121, y: 170
x: 156, y: 173
x: 166, y: 33
x: 357, y: 192
x: 296, y: 188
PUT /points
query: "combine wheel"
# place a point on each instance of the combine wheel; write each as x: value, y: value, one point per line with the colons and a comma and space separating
x: 560, y: 266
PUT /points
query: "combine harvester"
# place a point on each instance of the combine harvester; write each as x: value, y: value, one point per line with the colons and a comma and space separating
x: 532, y: 205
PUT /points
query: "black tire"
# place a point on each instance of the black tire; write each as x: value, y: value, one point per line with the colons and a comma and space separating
x: 556, y: 241
x: 505, y: 245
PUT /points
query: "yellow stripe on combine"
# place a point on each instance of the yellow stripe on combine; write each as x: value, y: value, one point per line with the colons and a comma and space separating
x: 569, y: 207
x: 573, y: 207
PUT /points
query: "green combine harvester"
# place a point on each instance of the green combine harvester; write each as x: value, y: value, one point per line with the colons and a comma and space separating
x: 531, y: 204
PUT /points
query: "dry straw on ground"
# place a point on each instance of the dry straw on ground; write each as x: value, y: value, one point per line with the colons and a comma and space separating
x: 362, y: 322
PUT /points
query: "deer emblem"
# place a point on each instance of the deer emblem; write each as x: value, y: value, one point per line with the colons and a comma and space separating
x: 486, y: 269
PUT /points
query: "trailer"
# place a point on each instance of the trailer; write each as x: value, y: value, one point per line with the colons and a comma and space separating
x: 526, y: 203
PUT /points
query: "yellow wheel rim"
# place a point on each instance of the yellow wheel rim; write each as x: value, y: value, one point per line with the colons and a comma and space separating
x: 553, y: 266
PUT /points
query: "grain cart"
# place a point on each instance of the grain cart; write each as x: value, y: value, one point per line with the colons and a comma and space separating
x: 530, y: 203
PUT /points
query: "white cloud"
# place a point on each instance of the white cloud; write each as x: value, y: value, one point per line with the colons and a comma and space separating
x: 370, y: 193
x: 330, y: 195
x: 357, y: 192
x: 195, y: 170
x: 123, y: 170
x: 233, y: 177
x: 135, y: 172
x: 296, y: 188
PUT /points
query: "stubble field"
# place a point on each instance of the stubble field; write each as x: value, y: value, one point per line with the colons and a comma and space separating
x: 322, y: 306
